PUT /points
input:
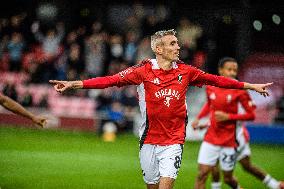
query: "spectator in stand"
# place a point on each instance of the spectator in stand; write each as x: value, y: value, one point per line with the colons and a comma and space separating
x: 17, y: 23
x: 149, y: 25
x: 116, y: 46
x: 50, y: 44
x: 27, y: 99
x: 132, y: 24
x: 188, y: 34
x: 130, y: 47
x: 95, y: 51
x: 116, y: 114
x: 3, y: 44
x: 129, y: 100
x: 10, y: 91
x: 104, y: 100
x: 4, y: 57
x: 143, y: 50
x: 74, y: 60
x: 15, y: 49
x: 129, y: 97
x: 71, y: 38
x: 51, y: 41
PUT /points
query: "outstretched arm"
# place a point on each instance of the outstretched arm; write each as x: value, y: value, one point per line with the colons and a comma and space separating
x: 130, y: 76
x: 224, y: 82
x: 15, y: 107
x: 94, y: 83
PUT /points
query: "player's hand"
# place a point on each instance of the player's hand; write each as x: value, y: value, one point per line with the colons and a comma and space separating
x: 195, y: 124
x: 221, y: 116
x: 39, y: 121
x: 260, y: 88
x: 61, y: 86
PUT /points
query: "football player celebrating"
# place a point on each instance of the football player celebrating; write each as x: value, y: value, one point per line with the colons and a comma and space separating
x: 222, y: 105
x: 162, y: 84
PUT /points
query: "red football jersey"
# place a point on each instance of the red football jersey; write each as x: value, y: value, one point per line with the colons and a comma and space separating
x: 226, y: 100
x: 162, y: 96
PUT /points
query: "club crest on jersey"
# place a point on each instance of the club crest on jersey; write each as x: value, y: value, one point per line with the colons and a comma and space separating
x: 168, y: 94
x: 179, y: 78
x: 156, y: 81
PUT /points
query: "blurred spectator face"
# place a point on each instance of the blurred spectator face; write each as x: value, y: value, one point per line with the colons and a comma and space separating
x: 74, y: 51
x: 15, y: 21
x: 151, y: 20
x: 72, y: 37
x: 229, y: 69
x: 116, y: 46
x: 169, y: 48
x: 131, y: 37
x: 50, y: 34
x: 16, y: 37
x: 96, y: 27
x: 81, y: 30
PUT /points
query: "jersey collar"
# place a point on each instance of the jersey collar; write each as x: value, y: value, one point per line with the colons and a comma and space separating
x: 155, y: 65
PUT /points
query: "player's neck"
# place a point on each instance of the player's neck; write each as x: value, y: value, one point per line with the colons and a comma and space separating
x: 164, y: 64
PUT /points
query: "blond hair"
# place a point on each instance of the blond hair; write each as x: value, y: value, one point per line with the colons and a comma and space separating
x: 156, y: 38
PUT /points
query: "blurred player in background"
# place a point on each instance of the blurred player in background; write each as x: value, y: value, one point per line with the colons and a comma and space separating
x: 243, y: 156
x: 15, y: 107
x: 162, y: 85
x: 225, y: 141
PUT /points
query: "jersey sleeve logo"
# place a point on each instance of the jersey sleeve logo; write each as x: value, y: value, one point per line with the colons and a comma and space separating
x: 125, y: 72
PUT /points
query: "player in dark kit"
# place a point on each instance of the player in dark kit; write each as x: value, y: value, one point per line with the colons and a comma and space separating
x: 225, y: 134
x: 161, y: 84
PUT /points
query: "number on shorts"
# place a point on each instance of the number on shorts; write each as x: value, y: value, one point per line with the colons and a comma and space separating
x: 228, y: 158
x: 177, y: 162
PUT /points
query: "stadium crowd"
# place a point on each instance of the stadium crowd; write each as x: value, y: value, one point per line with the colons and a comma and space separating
x: 43, y: 51
x: 39, y: 50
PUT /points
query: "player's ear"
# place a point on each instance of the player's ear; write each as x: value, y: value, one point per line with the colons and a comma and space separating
x: 159, y: 49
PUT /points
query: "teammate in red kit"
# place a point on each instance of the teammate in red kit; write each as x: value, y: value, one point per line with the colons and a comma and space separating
x: 224, y: 133
x: 162, y: 85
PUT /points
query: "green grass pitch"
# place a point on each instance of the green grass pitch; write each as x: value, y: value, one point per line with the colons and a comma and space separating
x: 35, y: 159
